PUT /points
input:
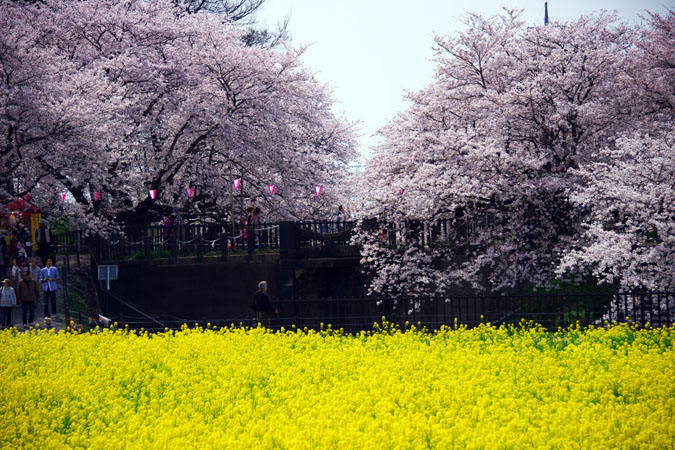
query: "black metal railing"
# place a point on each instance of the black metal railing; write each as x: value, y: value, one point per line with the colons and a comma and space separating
x: 203, y: 239
x: 550, y: 311
x: 206, y: 239
x: 418, y: 233
x: 324, y: 233
x: 73, y: 240
x: 148, y: 242
x: 194, y: 240
x: 356, y: 314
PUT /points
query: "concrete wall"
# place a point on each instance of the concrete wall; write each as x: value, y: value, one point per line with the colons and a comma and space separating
x: 219, y: 290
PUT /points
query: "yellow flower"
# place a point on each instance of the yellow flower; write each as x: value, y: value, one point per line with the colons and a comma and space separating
x: 486, y: 387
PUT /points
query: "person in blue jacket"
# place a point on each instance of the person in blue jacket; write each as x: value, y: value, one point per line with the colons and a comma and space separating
x: 49, y: 275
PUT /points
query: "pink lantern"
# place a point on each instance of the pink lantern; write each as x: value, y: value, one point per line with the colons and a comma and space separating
x: 236, y: 184
x: 317, y: 191
x: 190, y: 192
x: 63, y: 198
x: 152, y: 193
x: 96, y: 196
x: 271, y: 188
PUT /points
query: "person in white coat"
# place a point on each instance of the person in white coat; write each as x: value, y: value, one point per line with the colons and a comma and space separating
x: 7, y: 302
x: 15, y: 273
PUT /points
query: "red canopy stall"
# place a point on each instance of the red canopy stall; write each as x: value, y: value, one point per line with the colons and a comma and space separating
x: 19, y: 206
x: 20, y: 210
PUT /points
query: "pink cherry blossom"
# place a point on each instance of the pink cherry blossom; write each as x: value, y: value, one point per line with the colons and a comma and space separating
x: 123, y: 97
x: 542, y: 132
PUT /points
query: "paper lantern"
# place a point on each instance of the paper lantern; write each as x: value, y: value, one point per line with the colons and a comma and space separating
x: 152, y: 193
x: 317, y: 190
x: 95, y: 196
x: 63, y: 198
x: 271, y: 188
x: 190, y: 192
x: 236, y: 183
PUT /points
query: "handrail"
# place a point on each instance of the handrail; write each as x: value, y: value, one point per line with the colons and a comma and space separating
x: 119, y: 299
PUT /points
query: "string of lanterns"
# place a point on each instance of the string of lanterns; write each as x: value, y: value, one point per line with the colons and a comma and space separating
x: 236, y: 184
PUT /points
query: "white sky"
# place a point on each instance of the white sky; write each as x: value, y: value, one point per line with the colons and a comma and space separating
x: 371, y: 51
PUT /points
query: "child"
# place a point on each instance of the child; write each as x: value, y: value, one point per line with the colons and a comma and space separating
x: 7, y: 302
x: 73, y: 326
x: 97, y: 320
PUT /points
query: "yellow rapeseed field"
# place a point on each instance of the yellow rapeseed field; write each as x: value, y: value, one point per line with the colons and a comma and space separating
x: 510, y: 388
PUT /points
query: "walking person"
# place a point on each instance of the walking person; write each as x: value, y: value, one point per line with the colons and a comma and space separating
x: 168, y: 229
x: 7, y: 302
x: 340, y: 218
x: 12, y: 251
x: 21, y: 254
x: 177, y: 219
x: 247, y: 219
x: 44, y: 238
x: 245, y: 223
x: 49, y: 275
x: 15, y: 273
x: 256, y: 222
x: 27, y: 294
x: 34, y: 268
x: 168, y: 226
x: 178, y: 224
x: 23, y: 235
x: 264, y: 310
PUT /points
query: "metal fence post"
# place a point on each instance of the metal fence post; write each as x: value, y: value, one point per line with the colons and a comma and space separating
x: 105, y: 250
x: 67, y: 258
x: 250, y: 239
x: 147, y: 247
x: 200, y: 248
x: 121, y: 248
x: 223, y: 244
x: 79, y: 246
x: 173, y: 247
x: 65, y: 288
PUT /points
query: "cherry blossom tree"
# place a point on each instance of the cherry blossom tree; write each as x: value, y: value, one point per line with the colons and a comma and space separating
x: 235, y: 10
x: 629, y: 237
x: 243, y: 14
x: 48, y: 113
x: 145, y: 99
x: 504, y: 134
